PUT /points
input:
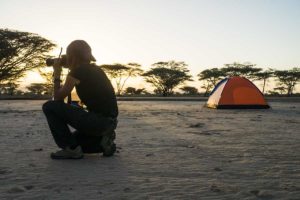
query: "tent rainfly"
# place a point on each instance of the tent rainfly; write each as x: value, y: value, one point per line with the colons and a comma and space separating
x: 236, y: 93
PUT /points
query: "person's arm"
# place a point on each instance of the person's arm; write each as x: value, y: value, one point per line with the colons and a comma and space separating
x: 62, y: 92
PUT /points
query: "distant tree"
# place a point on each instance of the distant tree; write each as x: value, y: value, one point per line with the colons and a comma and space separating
x: 19, y: 92
x: 264, y: 76
x: 288, y: 79
x: 130, y: 90
x: 2, y: 88
x: 38, y: 88
x: 47, y: 75
x: 20, y: 52
x: 210, y: 78
x: 158, y: 91
x: 10, y: 87
x: 121, y: 73
x: 207, y: 87
x: 134, y: 91
x: 246, y: 70
x: 166, y: 76
x: 140, y: 91
x: 278, y: 90
x: 188, y: 90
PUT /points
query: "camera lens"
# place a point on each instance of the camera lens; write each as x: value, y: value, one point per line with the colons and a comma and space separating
x: 62, y: 61
x: 49, y: 62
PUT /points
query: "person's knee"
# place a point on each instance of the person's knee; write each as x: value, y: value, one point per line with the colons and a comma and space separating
x: 50, y: 106
x: 46, y: 106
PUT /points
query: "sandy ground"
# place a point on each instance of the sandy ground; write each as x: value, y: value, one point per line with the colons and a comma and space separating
x: 167, y: 150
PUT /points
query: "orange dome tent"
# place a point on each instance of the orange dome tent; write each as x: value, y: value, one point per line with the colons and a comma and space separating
x: 236, y: 92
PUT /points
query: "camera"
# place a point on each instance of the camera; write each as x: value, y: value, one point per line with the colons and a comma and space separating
x: 62, y: 61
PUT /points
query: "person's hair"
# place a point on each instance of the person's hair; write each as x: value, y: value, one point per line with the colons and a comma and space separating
x: 81, y: 51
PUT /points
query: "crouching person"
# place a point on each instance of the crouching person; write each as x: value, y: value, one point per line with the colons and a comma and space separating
x: 95, y: 126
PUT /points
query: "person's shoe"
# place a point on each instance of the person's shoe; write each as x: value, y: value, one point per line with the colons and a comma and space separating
x: 68, y: 153
x: 107, y: 143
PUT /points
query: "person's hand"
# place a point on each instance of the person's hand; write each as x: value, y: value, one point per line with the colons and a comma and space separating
x: 57, y: 68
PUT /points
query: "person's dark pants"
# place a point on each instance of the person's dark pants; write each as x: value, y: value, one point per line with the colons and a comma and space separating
x: 89, y: 126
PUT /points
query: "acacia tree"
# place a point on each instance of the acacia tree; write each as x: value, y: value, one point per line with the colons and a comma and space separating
x: 288, y: 79
x: 281, y: 90
x: 20, y: 52
x: 189, y: 90
x: 132, y: 91
x: 166, y: 76
x: 38, y: 88
x: 264, y: 76
x: 210, y: 77
x: 47, y: 75
x: 10, y: 87
x: 121, y: 73
x: 207, y: 87
x: 246, y: 70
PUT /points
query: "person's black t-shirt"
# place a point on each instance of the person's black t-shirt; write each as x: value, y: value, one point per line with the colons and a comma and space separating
x: 95, y: 90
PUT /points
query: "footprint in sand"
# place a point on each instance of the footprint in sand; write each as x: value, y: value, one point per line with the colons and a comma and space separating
x: 215, y: 188
x: 262, y: 194
x: 197, y: 125
x: 218, y: 169
x: 200, y: 133
x: 126, y: 189
x: 256, y: 120
x: 28, y: 187
x: 16, y: 189
x: 4, y: 171
x: 38, y: 149
x: 149, y: 154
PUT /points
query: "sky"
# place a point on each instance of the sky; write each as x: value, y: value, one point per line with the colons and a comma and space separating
x: 204, y: 34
